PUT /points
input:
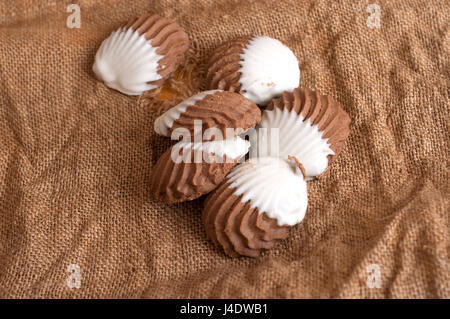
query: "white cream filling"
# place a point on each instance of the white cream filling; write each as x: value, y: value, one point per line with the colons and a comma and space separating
x: 268, y: 68
x: 274, y: 186
x: 126, y: 61
x: 165, y: 121
x: 282, y: 133
x: 233, y: 149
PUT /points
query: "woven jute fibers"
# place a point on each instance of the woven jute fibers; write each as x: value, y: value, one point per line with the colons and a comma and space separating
x: 75, y: 157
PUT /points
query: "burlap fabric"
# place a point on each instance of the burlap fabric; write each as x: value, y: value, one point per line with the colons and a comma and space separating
x: 75, y: 157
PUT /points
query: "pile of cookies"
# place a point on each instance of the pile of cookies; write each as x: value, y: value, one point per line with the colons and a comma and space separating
x: 252, y: 203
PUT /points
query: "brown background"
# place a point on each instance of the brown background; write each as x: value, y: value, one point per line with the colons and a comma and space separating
x: 75, y: 156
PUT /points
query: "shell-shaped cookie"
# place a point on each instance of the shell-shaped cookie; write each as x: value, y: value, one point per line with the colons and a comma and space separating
x: 307, y: 125
x: 255, y: 206
x: 188, y: 170
x: 214, y: 112
x: 259, y: 67
x: 140, y: 54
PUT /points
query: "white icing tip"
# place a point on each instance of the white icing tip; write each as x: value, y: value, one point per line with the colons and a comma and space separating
x: 272, y: 185
x: 127, y: 62
x: 268, y: 68
x: 284, y: 133
x: 233, y: 148
x: 164, y: 122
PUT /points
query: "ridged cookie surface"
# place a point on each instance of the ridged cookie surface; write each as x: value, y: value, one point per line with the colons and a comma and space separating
x: 255, y: 206
x: 140, y: 54
x: 258, y: 67
x: 187, y: 170
x: 311, y: 127
x: 215, y: 111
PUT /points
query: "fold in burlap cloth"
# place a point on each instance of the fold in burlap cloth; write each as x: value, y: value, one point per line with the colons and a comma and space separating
x: 75, y: 156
